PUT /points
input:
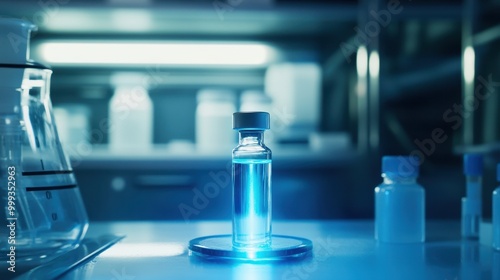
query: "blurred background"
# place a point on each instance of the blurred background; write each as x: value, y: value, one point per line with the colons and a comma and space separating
x: 143, y: 93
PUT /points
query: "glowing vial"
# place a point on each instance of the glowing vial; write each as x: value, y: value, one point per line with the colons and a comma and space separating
x: 251, y: 237
x: 471, y: 204
x: 251, y: 182
x: 496, y: 214
x: 400, y: 202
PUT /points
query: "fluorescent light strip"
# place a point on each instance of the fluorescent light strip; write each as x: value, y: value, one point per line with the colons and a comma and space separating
x: 374, y: 64
x: 362, y: 61
x: 145, y: 53
x: 469, y: 64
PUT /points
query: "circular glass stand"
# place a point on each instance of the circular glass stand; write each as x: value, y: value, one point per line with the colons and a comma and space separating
x: 220, y: 247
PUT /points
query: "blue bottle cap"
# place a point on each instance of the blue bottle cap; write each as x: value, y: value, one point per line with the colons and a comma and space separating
x: 251, y: 121
x: 498, y: 172
x: 401, y: 166
x: 473, y: 164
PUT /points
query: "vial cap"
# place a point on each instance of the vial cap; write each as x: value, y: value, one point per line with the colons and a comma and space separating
x: 251, y: 121
x: 498, y: 172
x: 473, y: 164
x: 14, y: 41
x: 401, y: 166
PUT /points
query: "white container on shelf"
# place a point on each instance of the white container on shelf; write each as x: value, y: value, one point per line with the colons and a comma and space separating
x: 295, y: 89
x: 255, y: 100
x: 214, y: 115
x: 130, y: 114
x: 73, y: 126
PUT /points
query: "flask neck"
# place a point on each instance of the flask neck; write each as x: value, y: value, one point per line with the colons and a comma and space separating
x: 251, y: 137
x: 391, y: 179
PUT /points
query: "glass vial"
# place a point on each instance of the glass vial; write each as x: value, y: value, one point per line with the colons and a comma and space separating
x: 251, y: 182
x: 400, y: 202
x: 496, y: 213
x: 471, y: 203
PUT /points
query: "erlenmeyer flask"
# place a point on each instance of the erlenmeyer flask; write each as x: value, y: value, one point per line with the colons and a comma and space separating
x: 42, y: 210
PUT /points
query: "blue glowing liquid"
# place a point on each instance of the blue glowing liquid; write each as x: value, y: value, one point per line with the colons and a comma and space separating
x: 251, y: 202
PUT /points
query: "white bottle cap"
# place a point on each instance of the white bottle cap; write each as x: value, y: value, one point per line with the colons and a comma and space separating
x: 15, y: 41
x: 256, y: 96
x: 130, y: 79
x: 216, y: 95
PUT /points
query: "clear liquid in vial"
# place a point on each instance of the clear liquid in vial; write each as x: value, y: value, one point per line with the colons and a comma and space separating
x: 251, y: 203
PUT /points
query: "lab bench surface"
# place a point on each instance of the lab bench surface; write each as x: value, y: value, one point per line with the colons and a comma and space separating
x: 342, y: 250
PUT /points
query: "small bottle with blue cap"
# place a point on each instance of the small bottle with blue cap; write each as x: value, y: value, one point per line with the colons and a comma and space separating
x: 472, y: 202
x: 251, y: 181
x: 400, y: 202
x: 496, y: 213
